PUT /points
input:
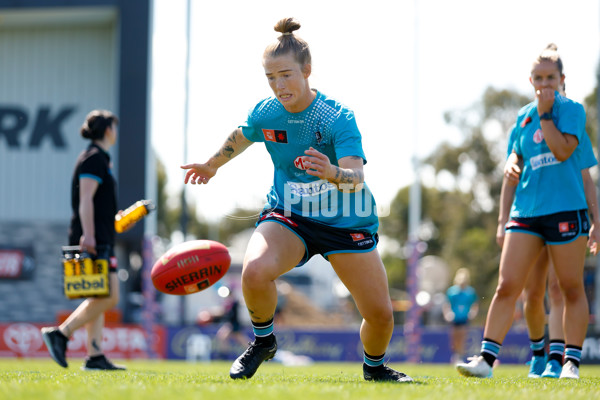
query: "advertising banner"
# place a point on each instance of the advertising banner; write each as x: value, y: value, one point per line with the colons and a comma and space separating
x: 120, y: 341
x: 202, y: 343
x: 16, y: 262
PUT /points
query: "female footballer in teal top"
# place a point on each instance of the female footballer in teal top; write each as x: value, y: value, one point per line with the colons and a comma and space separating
x: 546, y: 365
x: 318, y: 204
x: 549, y: 209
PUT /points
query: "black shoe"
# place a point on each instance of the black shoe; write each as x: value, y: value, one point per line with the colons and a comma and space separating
x: 246, y: 365
x: 100, y: 363
x: 385, y: 374
x: 56, y: 343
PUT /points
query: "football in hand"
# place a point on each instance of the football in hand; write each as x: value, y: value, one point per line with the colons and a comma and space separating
x: 190, y: 267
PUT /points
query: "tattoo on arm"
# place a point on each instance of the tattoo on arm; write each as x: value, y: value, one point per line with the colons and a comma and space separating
x: 360, y: 176
x: 228, y: 148
x: 228, y: 151
x: 347, y: 177
x: 233, y: 136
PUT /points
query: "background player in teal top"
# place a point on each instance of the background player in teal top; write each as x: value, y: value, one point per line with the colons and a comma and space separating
x: 317, y: 154
x: 535, y: 287
x: 551, y: 197
x: 534, y: 292
x: 542, y: 168
x: 461, y: 307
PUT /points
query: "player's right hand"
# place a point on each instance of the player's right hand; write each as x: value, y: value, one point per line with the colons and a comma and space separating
x: 88, y: 244
x: 512, y: 172
x: 500, y: 234
x: 198, y: 173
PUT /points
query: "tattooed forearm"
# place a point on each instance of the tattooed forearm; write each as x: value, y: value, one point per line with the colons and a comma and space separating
x: 233, y: 136
x: 348, y: 179
x: 228, y: 151
x: 235, y: 144
x: 348, y: 176
x: 337, y: 174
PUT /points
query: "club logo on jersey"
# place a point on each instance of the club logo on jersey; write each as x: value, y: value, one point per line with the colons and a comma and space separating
x: 319, y: 137
x: 538, y: 136
x: 275, y: 135
x: 525, y: 122
x: 299, y: 163
x: 567, y: 228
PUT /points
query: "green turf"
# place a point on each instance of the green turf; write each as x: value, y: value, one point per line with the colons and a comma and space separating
x: 171, y: 380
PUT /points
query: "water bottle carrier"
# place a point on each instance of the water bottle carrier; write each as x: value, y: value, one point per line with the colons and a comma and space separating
x: 84, y: 275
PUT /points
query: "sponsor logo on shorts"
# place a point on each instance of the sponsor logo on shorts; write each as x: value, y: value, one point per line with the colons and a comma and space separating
x: 357, y: 236
x: 275, y: 135
x: 538, y: 136
x: 365, y: 242
x: 567, y: 228
x: 361, y: 240
x: 543, y: 160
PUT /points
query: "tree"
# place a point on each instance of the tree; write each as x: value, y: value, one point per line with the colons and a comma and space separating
x: 459, y: 224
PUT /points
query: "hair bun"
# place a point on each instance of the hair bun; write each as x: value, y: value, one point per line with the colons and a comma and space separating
x: 286, y: 26
x: 85, y: 131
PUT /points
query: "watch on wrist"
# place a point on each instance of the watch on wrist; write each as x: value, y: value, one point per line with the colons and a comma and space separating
x: 546, y: 116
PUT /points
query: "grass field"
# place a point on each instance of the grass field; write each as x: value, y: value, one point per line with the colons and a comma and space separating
x: 171, y: 380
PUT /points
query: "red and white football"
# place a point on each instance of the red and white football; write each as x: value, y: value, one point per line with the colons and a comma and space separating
x: 190, y: 267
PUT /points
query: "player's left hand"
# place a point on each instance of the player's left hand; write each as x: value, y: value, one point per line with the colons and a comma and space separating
x: 318, y: 164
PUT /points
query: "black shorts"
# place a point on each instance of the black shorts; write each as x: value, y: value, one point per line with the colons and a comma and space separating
x: 322, y: 239
x: 107, y: 252
x: 559, y: 228
x: 460, y: 323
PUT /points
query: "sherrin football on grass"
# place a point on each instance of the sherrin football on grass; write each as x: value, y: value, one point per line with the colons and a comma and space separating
x: 190, y: 267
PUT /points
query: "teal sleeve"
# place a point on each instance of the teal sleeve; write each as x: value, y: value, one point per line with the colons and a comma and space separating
x: 348, y: 141
x: 571, y: 120
x: 249, y: 131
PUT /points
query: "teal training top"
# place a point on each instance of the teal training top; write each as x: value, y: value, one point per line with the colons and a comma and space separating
x: 328, y: 127
x: 548, y: 186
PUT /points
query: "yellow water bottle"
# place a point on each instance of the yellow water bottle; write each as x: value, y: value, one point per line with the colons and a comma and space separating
x: 132, y: 214
x: 77, y: 265
x: 68, y: 264
x: 87, y: 264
